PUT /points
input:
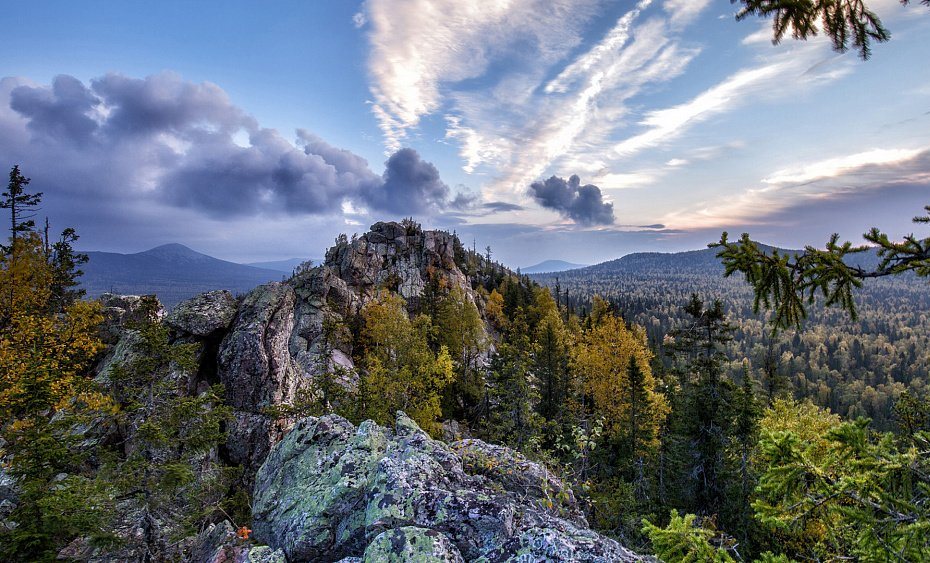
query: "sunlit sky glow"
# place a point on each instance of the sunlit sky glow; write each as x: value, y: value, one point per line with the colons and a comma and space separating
x: 260, y: 131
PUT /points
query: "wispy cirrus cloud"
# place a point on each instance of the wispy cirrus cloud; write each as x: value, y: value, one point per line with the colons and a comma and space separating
x: 420, y: 46
x: 827, y: 179
x: 533, y: 100
x: 842, y: 165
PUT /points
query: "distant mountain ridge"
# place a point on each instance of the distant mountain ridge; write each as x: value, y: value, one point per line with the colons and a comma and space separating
x: 286, y: 266
x: 551, y: 266
x: 702, y: 262
x: 173, y: 272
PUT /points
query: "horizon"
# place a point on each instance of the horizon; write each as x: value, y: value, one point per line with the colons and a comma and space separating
x: 261, y: 136
x: 319, y: 261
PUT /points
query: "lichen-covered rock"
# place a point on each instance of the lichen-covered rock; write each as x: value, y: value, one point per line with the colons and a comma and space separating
x: 330, y: 490
x: 410, y: 544
x: 125, y: 352
x: 401, y: 258
x: 519, y: 476
x: 220, y: 544
x: 203, y: 315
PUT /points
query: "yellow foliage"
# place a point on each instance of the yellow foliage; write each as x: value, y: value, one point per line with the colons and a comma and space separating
x: 43, y: 356
x: 601, y: 363
x: 25, y: 277
x: 401, y: 373
x: 495, y: 309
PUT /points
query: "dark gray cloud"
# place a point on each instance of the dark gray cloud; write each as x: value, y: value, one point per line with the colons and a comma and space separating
x: 501, y: 206
x: 582, y: 204
x: 165, y: 141
x: 62, y: 111
x: 411, y: 185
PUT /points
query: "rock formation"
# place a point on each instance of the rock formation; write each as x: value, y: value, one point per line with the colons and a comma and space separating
x: 275, y: 344
x: 330, y: 490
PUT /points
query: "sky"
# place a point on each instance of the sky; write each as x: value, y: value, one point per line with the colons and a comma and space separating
x: 579, y: 130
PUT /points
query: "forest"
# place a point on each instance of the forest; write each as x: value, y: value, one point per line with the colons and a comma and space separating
x: 853, y: 367
x: 682, y: 430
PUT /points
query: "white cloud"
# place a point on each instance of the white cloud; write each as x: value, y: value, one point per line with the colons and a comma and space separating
x: 417, y: 46
x: 668, y: 123
x: 864, y: 170
x: 683, y: 12
x: 841, y: 165
x: 612, y: 181
x: 570, y: 128
x: 603, y: 52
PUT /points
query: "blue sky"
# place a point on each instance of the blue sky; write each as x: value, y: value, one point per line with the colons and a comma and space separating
x: 260, y: 132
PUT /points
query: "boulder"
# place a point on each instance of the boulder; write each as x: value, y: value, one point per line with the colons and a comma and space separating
x: 330, y: 490
x: 204, y: 315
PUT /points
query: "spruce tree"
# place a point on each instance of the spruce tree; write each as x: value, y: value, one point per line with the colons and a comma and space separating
x: 698, y: 347
x: 22, y: 205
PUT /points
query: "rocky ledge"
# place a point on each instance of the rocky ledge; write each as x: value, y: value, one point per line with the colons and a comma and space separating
x: 330, y: 491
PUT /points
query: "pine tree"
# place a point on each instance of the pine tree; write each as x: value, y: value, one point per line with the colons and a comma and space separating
x: 65, y: 263
x: 511, y: 419
x: 787, y: 283
x: 550, y: 366
x: 741, y: 475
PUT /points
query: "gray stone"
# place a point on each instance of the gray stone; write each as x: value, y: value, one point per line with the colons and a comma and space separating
x: 203, y: 315
x: 257, y: 370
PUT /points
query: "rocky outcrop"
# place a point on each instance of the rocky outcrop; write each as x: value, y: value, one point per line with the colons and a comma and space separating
x: 203, y: 315
x: 276, y: 343
x: 398, y: 257
x: 330, y: 490
x: 256, y: 368
x: 120, y: 312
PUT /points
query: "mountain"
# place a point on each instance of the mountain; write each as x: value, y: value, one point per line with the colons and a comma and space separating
x: 173, y: 272
x: 551, y: 266
x: 286, y: 266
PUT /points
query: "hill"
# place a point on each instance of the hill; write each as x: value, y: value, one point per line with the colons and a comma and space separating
x: 551, y: 266
x: 174, y: 272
